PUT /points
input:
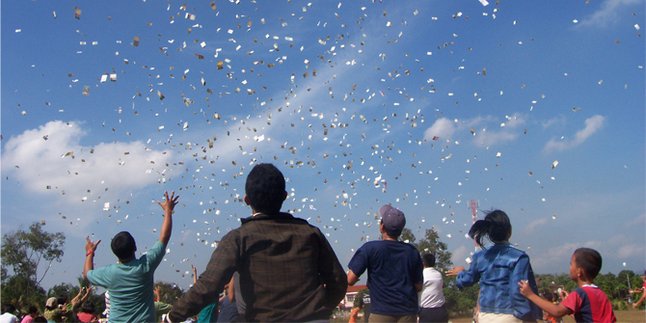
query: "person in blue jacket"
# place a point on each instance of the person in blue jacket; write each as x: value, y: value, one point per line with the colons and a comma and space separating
x: 498, y: 268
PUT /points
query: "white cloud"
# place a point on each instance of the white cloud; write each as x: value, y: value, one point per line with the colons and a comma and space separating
x: 560, y: 120
x: 488, y: 138
x: 592, y: 125
x: 532, y: 226
x: 442, y: 128
x: 607, y: 13
x: 50, y: 159
x: 445, y: 128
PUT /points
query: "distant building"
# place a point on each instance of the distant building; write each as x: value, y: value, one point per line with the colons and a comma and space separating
x: 352, y: 291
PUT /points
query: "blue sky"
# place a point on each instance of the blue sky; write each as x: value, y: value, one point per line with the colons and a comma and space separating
x: 535, y: 108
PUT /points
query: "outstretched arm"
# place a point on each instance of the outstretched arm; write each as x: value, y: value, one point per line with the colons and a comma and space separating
x: 90, y: 247
x: 167, y: 226
x: 556, y: 310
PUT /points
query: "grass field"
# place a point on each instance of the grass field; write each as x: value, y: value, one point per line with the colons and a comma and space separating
x: 628, y: 316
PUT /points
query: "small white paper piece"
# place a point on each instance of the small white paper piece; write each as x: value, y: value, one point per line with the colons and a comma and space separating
x: 484, y: 2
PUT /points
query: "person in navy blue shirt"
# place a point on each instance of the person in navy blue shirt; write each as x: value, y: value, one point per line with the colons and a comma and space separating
x: 394, y: 271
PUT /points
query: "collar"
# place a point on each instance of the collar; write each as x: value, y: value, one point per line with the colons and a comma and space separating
x: 262, y: 216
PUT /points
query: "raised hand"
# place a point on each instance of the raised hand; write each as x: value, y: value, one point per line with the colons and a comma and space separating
x: 454, y: 271
x: 90, y: 246
x: 169, y: 203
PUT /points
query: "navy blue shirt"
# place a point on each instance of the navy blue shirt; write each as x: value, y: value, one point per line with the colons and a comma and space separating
x: 394, y: 268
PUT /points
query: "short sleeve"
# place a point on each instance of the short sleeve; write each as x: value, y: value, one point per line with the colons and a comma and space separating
x: 572, y: 302
x: 99, y: 276
x: 155, y: 255
x: 359, y: 262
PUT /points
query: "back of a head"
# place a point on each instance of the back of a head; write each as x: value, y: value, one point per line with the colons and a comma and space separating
x: 265, y: 189
x: 495, y: 226
x: 123, y: 245
x: 33, y: 310
x: 9, y: 308
x: 428, y: 259
x: 87, y: 307
x: 589, y: 260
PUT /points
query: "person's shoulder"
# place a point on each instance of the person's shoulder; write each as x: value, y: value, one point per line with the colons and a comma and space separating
x: 512, y: 251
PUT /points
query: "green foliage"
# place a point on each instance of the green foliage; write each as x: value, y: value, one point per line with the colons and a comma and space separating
x: 23, y: 251
x: 22, y: 292
x: 458, y: 302
x: 614, y: 286
x: 169, y: 293
x: 63, y: 290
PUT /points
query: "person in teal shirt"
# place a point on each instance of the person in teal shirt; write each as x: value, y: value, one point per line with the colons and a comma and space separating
x: 130, y: 281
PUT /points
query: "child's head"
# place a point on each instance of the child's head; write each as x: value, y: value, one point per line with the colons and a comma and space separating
x: 585, y: 264
x: 496, y: 226
x: 123, y: 245
x: 265, y: 189
x: 88, y: 307
x: 428, y: 259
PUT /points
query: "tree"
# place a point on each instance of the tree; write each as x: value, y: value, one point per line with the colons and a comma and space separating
x: 459, y: 302
x: 432, y: 244
x: 23, y: 251
x: 169, y: 293
x: 22, y: 292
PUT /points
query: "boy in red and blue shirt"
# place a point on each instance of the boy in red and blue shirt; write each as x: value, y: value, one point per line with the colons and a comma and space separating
x: 588, y: 303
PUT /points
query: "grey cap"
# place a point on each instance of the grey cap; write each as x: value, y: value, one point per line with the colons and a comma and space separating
x: 393, y: 220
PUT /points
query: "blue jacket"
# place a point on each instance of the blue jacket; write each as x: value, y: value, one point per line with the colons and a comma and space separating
x: 499, y: 269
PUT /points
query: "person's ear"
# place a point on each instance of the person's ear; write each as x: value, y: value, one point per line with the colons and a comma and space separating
x: 286, y: 194
x: 246, y: 200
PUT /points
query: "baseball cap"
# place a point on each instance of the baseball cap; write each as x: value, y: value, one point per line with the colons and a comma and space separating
x: 51, y: 302
x: 393, y: 220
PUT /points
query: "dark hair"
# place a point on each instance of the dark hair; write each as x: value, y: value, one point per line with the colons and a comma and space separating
x: 428, y: 259
x: 87, y: 307
x: 495, y: 226
x: 40, y: 319
x: 123, y: 245
x: 589, y: 260
x: 32, y: 309
x: 265, y: 188
x: 9, y: 308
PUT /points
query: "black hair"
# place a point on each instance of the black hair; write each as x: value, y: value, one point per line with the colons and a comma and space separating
x: 496, y: 226
x: 9, y: 308
x: 123, y: 245
x: 87, y: 307
x: 428, y: 259
x: 589, y: 260
x: 265, y: 189
x: 32, y: 309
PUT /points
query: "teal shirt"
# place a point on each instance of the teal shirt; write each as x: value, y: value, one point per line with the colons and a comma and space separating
x: 131, y: 286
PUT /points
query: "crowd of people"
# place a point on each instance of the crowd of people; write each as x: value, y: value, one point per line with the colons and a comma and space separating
x: 276, y: 267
